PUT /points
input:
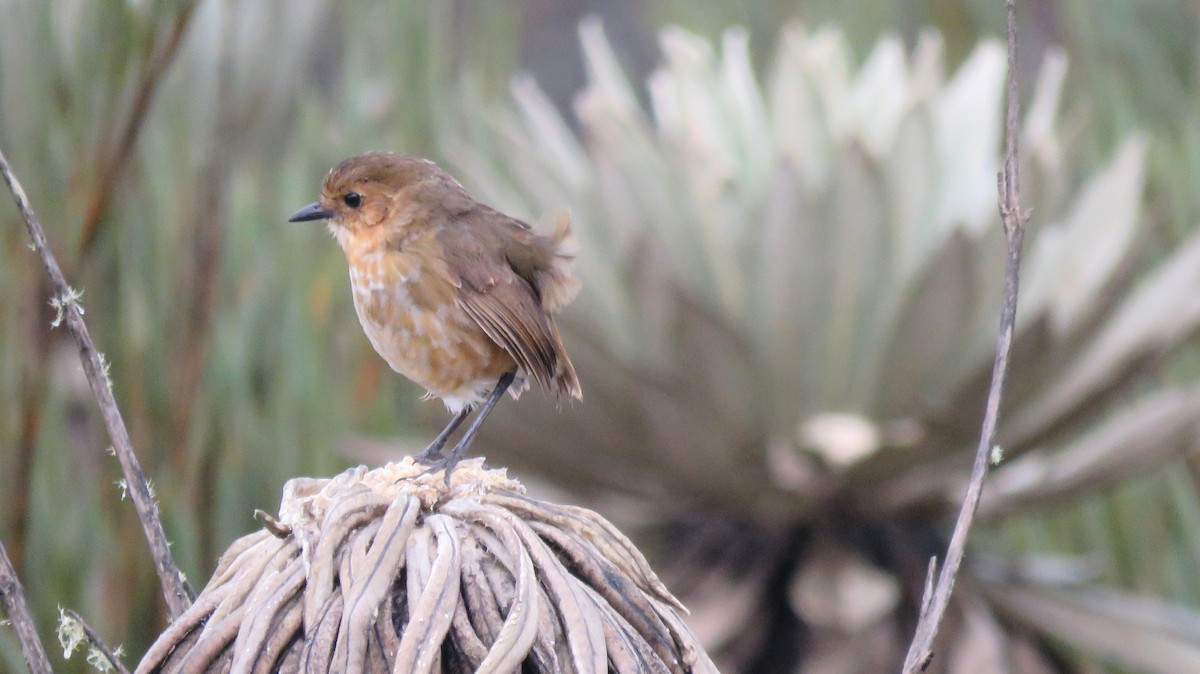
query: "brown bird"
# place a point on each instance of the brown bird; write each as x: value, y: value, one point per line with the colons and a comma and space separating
x: 454, y: 295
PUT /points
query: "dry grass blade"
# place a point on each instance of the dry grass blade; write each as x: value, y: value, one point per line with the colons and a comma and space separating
x: 342, y: 519
x: 113, y: 160
x: 274, y: 598
x: 1137, y: 439
x: 430, y: 618
x: 369, y: 590
x: 175, y: 590
x: 595, y: 530
x: 516, y: 634
x: 386, y: 570
x: 1132, y: 631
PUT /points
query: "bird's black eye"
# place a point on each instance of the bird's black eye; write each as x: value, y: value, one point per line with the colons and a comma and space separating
x: 352, y: 199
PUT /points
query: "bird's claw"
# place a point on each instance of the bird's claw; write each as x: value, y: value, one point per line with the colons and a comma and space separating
x: 429, y: 456
x: 439, y: 462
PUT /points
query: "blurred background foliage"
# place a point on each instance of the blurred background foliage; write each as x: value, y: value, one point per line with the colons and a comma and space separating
x: 164, y: 142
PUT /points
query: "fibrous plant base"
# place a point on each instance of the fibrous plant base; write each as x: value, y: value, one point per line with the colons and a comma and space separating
x: 388, y: 570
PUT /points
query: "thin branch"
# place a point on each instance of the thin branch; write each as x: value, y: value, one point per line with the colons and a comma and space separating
x: 18, y: 613
x: 98, y: 643
x: 113, y: 162
x: 934, y: 604
x: 66, y: 302
x: 209, y: 222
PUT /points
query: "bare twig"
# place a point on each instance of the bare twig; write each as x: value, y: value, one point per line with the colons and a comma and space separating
x: 66, y: 301
x: 114, y: 160
x: 98, y: 643
x: 18, y: 613
x: 934, y: 603
x: 200, y: 276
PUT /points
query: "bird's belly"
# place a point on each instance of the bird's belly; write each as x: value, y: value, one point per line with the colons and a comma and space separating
x: 439, y: 347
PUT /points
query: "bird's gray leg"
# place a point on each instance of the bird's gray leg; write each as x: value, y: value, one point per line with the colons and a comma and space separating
x: 434, y: 451
x: 456, y: 454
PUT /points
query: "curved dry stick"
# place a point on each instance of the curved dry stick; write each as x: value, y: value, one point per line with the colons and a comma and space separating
x: 371, y: 586
x: 466, y: 639
x: 429, y: 622
x: 243, y: 583
x: 549, y: 651
x: 18, y: 613
x: 593, y: 528
x: 228, y: 574
x: 281, y: 635
x: 617, y: 589
x: 214, y: 643
x: 387, y: 638
x: 272, y: 596
x: 477, y: 593
x: 234, y: 552
x: 585, y: 635
x: 114, y: 161
x: 502, y: 567
x: 501, y: 585
x: 937, y: 595
x: 265, y: 585
x: 190, y: 621
x: 519, y: 630
x: 628, y: 649
x: 695, y: 658
x: 338, y: 524
x: 321, y: 639
x: 175, y: 589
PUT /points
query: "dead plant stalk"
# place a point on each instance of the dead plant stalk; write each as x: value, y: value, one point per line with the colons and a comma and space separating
x: 937, y: 594
x: 66, y: 300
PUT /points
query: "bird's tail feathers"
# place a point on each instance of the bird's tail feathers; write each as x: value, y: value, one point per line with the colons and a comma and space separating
x: 557, y: 284
x: 564, y: 379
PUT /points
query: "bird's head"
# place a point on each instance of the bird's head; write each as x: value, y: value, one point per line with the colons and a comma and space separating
x: 379, y: 196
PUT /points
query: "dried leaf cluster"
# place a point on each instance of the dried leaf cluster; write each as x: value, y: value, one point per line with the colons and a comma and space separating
x: 384, y: 570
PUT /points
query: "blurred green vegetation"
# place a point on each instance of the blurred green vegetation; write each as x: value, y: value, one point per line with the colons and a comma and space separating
x: 163, y: 144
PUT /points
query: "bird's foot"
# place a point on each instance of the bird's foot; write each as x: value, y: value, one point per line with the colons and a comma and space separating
x: 446, y: 463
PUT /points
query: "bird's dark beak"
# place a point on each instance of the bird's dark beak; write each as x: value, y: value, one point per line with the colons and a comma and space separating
x: 312, y: 211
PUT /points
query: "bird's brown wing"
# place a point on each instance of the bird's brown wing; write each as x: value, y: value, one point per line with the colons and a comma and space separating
x: 505, y: 315
x: 506, y: 306
x: 544, y: 262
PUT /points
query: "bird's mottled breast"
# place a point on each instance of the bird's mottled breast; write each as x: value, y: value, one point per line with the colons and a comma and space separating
x: 406, y: 304
x: 403, y: 295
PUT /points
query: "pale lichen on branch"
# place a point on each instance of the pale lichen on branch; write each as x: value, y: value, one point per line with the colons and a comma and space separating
x: 74, y: 633
x: 61, y: 303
